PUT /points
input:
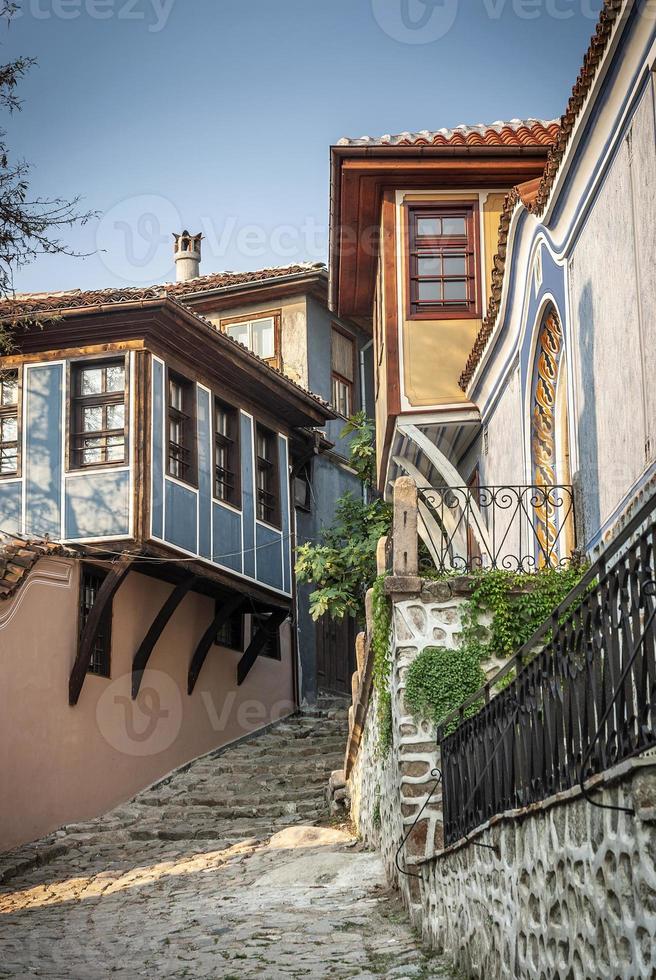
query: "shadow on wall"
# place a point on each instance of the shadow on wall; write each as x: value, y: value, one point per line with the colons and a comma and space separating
x: 588, y: 475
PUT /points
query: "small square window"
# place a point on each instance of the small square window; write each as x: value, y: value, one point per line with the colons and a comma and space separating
x: 231, y: 634
x: 271, y: 648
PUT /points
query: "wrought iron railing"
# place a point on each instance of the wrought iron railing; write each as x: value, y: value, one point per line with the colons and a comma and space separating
x: 578, y: 698
x: 518, y: 528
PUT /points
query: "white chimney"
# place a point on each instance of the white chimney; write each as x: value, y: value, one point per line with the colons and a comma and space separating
x: 187, y: 256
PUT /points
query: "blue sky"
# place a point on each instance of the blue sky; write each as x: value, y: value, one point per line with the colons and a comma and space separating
x: 217, y: 115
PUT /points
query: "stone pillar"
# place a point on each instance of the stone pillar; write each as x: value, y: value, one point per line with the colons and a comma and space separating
x: 405, y: 551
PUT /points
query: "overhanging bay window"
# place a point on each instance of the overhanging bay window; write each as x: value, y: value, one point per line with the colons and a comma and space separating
x: 268, y: 485
x: 181, y: 429
x: 443, y: 261
x: 227, y: 484
x: 8, y: 423
x: 98, y: 414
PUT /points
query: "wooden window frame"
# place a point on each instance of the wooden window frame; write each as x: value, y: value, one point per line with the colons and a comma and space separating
x: 276, y: 316
x: 188, y: 417
x: 305, y: 475
x: 335, y: 376
x: 236, y: 618
x: 77, y: 402
x: 13, y: 411
x: 104, y: 635
x: 272, y: 467
x: 426, y: 310
x: 233, y: 443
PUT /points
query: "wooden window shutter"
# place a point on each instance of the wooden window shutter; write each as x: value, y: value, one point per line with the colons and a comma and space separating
x: 343, y: 361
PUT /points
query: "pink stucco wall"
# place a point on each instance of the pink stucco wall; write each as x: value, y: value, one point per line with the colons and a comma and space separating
x: 60, y: 764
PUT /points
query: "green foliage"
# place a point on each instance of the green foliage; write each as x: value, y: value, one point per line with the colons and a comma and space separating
x: 439, y: 680
x: 342, y: 565
x: 382, y: 665
x: 518, y: 602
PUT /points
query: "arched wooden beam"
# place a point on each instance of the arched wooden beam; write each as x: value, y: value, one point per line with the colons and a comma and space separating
x: 228, y: 609
x: 266, y: 632
x: 106, y: 593
x: 157, y: 627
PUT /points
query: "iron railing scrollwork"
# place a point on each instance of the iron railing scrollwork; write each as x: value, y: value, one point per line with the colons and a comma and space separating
x: 576, y: 700
x: 517, y: 528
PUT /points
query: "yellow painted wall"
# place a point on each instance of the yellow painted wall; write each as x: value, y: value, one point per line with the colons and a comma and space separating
x: 435, y: 351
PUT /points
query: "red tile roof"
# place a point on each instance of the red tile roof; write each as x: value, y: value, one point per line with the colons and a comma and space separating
x: 19, y: 555
x: 533, y: 195
x: 24, y: 304
x: 516, y: 132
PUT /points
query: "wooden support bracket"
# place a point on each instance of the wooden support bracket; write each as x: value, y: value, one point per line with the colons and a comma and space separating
x: 229, y: 608
x: 157, y: 627
x: 266, y: 632
x: 106, y: 593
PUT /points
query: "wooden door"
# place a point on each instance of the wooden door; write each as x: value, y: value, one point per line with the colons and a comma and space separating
x: 335, y: 654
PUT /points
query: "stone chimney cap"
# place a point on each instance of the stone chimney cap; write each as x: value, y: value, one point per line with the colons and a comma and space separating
x: 187, y: 255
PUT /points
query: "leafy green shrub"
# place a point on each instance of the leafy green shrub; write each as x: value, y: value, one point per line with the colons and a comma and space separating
x: 439, y: 680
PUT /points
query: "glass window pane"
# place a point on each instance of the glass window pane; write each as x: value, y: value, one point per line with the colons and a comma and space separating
x: 222, y: 422
x: 454, y: 226
x: 115, y: 377
x: 8, y: 461
x: 455, y: 265
x: 239, y: 331
x: 115, y: 416
x: 429, y: 226
x: 92, y: 419
x: 429, y: 292
x: 9, y: 390
x: 175, y: 431
x: 430, y: 266
x: 92, y: 452
x: 455, y: 290
x: 91, y: 381
x: 175, y: 395
x: 263, y: 337
x: 115, y: 449
x: 9, y: 430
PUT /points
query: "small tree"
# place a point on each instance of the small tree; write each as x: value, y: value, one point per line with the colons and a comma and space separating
x: 342, y: 565
x: 28, y: 226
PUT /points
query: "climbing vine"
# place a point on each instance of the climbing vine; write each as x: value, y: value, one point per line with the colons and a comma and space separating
x: 382, y: 662
x: 439, y: 680
x: 518, y: 603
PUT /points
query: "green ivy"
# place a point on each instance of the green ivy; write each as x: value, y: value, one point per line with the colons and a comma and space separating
x: 381, y: 641
x: 439, y: 680
x: 518, y: 604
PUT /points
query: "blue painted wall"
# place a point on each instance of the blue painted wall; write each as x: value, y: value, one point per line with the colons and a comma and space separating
x: 157, y: 462
x: 248, y: 494
x: 10, y: 505
x: 97, y: 505
x: 43, y: 386
x: 204, y: 473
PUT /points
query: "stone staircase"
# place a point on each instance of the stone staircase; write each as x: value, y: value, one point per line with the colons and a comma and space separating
x: 252, y: 789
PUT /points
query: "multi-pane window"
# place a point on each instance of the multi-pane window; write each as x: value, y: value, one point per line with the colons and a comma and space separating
x: 8, y: 423
x: 343, y: 372
x: 226, y: 453
x: 258, y: 335
x: 98, y: 419
x: 268, y: 490
x: 231, y: 634
x: 271, y: 648
x: 443, y: 261
x: 90, y: 583
x: 182, y: 429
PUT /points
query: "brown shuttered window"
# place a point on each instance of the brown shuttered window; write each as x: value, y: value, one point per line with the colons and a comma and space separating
x: 227, y: 483
x: 342, y: 371
x: 98, y: 416
x: 268, y: 484
x: 443, y: 261
x: 182, y: 428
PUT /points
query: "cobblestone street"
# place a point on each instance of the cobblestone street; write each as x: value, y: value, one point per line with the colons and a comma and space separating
x: 224, y: 871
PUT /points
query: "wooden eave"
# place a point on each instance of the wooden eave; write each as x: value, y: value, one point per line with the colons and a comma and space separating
x: 360, y: 177
x: 267, y: 291
x: 168, y: 328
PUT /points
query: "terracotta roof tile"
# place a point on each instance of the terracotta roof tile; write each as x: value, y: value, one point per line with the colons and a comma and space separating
x: 516, y: 132
x: 19, y: 555
x: 534, y: 195
x: 24, y: 304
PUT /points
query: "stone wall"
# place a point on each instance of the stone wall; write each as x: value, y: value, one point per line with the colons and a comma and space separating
x: 562, y: 889
x: 570, y: 890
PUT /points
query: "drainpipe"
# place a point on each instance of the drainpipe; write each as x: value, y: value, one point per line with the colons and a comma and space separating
x: 363, y: 399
